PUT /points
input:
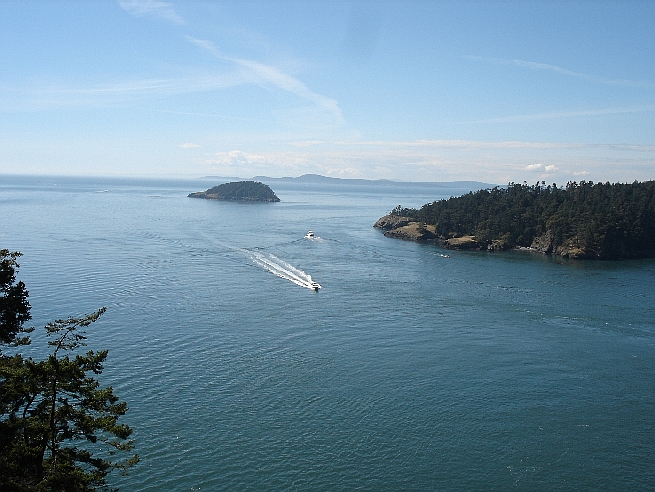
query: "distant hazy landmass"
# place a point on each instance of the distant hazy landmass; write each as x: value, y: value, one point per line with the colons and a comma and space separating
x: 249, y: 191
x: 318, y: 179
x: 585, y: 220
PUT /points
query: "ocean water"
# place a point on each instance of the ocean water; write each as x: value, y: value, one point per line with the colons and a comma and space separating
x: 413, y: 368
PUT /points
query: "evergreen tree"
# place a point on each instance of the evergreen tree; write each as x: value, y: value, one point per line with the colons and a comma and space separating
x: 14, y: 306
x: 59, y: 428
x: 602, y: 220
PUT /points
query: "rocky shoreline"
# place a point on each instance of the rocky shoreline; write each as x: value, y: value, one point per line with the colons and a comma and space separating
x: 408, y: 229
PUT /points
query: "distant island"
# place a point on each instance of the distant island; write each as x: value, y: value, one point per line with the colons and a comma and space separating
x: 248, y: 191
x: 317, y: 179
x: 582, y: 220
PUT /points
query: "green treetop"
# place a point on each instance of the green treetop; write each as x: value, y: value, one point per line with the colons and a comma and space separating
x: 59, y: 428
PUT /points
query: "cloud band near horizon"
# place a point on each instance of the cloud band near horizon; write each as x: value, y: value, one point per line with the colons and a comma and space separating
x: 440, y: 160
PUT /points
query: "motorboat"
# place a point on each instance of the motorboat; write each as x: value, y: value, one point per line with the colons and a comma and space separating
x: 315, y: 285
x: 309, y: 235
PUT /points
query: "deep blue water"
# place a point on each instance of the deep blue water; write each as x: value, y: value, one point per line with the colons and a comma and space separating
x: 409, y: 370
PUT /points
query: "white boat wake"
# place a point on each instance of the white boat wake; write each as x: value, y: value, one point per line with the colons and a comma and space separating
x: 282, y: 269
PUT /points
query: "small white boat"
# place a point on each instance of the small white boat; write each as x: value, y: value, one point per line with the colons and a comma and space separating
x: 315, y: 285
x: 309, y: 235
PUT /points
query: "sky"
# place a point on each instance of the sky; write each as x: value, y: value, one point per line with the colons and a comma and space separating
x: 410, y: 91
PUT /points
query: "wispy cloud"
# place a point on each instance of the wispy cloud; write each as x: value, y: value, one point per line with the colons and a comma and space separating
x: 126, y: 87
x: 236, y: 71
x: 562, y: 71
x: 458, y: 144
x: 155, y: 8
x: 189, y: 145
x: 262, y: 74
x: 565, y: 114
x: 55, y: 96
x: 306, y: 143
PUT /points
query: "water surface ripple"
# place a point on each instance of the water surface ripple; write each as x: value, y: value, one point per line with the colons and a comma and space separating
x: 408, y: 370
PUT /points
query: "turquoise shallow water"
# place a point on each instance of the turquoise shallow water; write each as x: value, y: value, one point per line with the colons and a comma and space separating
x: 407, y: 371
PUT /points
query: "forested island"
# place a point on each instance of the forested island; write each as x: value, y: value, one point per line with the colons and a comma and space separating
x: 249, y: 191
x: 582, y: 220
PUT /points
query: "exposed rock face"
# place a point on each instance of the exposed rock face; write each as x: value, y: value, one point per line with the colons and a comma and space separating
x: 498, y: 245
x: 463, y: 242
x: 405, y: 228
x: 412, y: 232
x: 573, y: 247
x: 570, y: 249
x: 543, y: 243
x: 392, y: 222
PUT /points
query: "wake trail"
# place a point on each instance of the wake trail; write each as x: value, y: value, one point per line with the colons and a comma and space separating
x: 266, y: 261
x: 282, y: 269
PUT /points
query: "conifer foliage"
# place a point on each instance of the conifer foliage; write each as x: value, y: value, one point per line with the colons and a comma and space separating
x: 602, y: 220
x: 245, y: 191
x: 14, y: 306
x: 59, y: 428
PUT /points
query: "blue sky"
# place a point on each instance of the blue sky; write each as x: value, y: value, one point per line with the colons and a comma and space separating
x: 413, y: 91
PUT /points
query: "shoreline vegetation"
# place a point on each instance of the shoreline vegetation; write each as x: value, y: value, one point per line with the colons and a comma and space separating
x: 242, y: 191
x: 583, y: 220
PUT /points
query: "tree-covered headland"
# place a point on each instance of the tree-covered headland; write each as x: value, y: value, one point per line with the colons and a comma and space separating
x: 251, y: 191
x: 59, y: 428
x: 580, y: 220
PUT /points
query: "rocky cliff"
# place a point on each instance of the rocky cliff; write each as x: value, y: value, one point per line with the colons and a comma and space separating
x: 406, y: 228
x: 410, y: 230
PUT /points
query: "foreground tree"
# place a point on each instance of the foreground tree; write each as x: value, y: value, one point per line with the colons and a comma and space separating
x: 14, y: 306
x: 59, y: 428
